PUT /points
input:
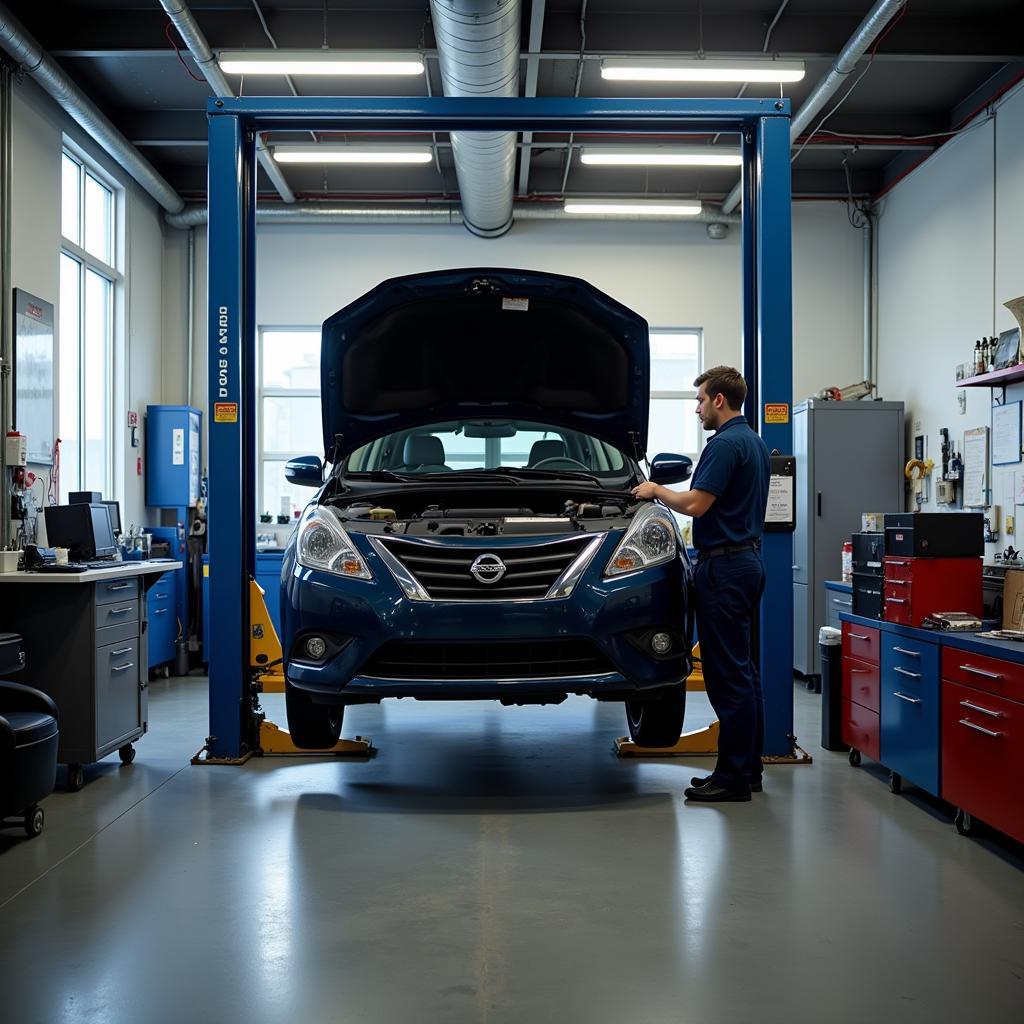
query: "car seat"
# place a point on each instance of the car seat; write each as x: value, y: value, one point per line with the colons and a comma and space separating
x: 424, y: 453
x: 541, y: 450
x: 28, y: 743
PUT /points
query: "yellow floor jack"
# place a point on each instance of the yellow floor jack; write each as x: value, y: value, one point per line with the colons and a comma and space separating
x: 696, y: 743
x: 265, y: 660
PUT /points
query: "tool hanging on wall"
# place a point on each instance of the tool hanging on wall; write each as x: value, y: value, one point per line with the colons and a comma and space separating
x: 917, y: 472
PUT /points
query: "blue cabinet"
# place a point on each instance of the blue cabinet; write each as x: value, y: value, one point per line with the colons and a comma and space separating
x: 911, y: 710
x: 161, y: 613
x: 268, y: 576
x: 172, y: 456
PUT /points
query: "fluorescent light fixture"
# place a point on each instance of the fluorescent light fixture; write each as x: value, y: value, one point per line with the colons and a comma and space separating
x: 662, y: 156
x: 697, y: 70
x: 633, y: 207
x: 318, y: 62
x: 325, y: 153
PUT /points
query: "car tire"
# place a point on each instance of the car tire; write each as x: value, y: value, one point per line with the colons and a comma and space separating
x: 312, y: 726
x: 658, y: 721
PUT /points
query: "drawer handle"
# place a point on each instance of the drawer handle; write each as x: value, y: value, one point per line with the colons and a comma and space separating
x: 909, y: 700
x: 121, y: 611
x: 122, y: 668
x: 794, y: 567
x: 893, y: 561
x: 895, y: 600
x: 899, y: 583
x: 981, y: 711
x: 860, y: 671
x: 118, y: 586
x: 903, y: 650
x: 907, y: 672
x: 847, y: 604
x: 159, y: 611
x: 981, y: 729
x: 121, y: 650
x: 159, y: 595
x: 858, y: 636
x: 980, y: 672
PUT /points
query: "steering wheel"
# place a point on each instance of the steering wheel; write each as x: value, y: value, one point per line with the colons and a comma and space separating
x: 564, y: 463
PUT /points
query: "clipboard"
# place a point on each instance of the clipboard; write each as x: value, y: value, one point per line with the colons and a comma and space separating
x: 780, y: 514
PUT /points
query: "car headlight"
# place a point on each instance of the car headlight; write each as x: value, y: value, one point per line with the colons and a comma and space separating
x: 324, y: 545
x: 650, y: 540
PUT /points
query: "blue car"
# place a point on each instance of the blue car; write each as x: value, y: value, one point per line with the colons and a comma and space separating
x: 476, y: 536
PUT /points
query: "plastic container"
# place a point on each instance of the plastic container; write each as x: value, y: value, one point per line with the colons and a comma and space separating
x: 830, y: 642
x: 9, y: 561
x: 847, y: 561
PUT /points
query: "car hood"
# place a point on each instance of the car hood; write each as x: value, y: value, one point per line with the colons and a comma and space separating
x: 484, y: 344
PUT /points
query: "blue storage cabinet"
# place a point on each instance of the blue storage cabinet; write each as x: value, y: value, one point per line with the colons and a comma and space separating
x: 161, y: 613
x: 172, y: 456
x: 910, y: 709
x: 268, y: 576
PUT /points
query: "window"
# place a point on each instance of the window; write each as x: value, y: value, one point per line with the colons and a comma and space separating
x: 675, y: 364
x: 289, y: 412
x: 86, y: 339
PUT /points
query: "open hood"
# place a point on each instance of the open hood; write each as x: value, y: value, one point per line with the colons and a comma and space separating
x: 484, y: 344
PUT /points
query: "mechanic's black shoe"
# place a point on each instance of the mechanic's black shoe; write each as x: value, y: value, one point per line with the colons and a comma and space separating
x: 712, y: 794
x: 703, y: 780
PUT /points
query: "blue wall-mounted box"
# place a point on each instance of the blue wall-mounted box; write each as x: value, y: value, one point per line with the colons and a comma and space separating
x: 172, y: 456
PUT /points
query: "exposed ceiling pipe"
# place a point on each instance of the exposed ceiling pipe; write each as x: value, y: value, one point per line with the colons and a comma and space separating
x: 448, y: 213
x: 867, y: 32
x: 478, y: 53
x: 42, y: 68
x: 189, y: 30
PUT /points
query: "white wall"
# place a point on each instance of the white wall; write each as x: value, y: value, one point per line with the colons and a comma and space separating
x: 39, y: 126
x: 951, y: 251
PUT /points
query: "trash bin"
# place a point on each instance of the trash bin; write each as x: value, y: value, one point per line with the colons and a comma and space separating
x: 830, y: 641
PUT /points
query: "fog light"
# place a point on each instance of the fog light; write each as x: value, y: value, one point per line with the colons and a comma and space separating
x: 316, y: 647
x: 661, y: 643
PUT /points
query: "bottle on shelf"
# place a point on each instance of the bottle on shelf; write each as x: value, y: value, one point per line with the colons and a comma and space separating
x: 979, y: 358
x: 847, y: 563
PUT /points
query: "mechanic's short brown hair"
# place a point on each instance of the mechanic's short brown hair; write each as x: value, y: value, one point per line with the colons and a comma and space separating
x: 724, y: 380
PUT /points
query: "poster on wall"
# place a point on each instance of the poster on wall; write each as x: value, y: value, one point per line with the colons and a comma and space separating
x: 33, y: 374
x: 976, y: 467
x: 1006, y: 434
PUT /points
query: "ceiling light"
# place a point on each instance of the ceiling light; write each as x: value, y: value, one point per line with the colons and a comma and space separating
x: 328, y: 154
x: 698, y: 70
x: 318, y: 62
x: 633, y: 207
x: 663, y: 156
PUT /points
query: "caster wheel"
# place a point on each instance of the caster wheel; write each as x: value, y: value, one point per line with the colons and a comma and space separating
x: 34, y: 821
x: 126, y: 753
x: 964, y: 823
x: 896, y: 782
x: 76, y: 777
x: 855, y: 758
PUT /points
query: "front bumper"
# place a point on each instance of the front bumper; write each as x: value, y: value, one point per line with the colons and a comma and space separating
x: 363, y: 616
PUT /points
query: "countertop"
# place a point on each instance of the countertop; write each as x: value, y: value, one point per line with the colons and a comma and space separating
x: 117, y: 570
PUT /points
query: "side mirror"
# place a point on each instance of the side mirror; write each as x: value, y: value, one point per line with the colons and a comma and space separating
x: 671, y: 469
x: 306, y: 471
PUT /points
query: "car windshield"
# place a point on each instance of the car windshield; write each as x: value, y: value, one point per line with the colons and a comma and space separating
x: 480, y: 445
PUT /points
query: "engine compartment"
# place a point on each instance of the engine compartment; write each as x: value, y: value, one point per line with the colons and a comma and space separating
x: 454, y: 512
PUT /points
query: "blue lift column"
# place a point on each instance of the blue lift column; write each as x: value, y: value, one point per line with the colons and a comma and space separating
x: 232, y: 430
x: 768, y: 369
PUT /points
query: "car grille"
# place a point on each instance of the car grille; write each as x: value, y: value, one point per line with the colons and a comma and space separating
x: 493, y: 659
x: 444, y: 570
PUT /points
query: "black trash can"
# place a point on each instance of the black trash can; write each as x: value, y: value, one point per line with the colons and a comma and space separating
x: 830, y: 641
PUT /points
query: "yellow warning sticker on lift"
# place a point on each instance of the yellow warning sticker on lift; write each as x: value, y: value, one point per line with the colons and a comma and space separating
x: 776, y: 413
x: 225, y: 412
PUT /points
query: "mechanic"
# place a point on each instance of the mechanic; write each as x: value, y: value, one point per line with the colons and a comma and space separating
x: 727, y: 499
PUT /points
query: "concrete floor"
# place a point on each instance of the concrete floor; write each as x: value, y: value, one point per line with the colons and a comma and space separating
x: 498, y: 865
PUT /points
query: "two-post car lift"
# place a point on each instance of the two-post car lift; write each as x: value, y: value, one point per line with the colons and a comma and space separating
x: 234, y: 124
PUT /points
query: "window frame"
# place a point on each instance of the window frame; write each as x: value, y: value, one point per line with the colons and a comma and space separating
x: 110, y: 272
x: 685, y: 394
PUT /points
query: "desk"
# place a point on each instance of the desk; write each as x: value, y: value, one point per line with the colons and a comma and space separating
x: 86, y: 646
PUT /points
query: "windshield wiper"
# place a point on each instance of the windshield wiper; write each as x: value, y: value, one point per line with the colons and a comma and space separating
x: 545, y: 474
x: 457, y: 475
x: 378, y: 474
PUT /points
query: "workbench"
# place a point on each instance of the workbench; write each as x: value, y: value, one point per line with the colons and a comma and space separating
x: 942, y: 710
x: 85, y: 639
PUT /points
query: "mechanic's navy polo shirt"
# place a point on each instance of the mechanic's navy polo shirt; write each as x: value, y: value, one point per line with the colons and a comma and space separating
x: 735, y: 467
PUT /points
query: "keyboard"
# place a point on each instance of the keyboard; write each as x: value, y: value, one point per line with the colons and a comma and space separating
x: 78, y: 566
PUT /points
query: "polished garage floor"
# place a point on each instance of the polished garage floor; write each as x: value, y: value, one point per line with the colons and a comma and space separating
x: 498, y: 865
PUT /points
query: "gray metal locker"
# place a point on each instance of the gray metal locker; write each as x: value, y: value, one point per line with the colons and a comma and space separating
x: 849, y: 460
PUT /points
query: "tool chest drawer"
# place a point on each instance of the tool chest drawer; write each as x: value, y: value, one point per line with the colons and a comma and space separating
x: 914, y: 588
x: 109, y: 591
x: 837, y: 603
x: 861, y: 683
x: 860, y: 729
x: 118, y: 691
x: 983, y: 756
x: 860, y: 642
x: 117, y: 613
x: 161, y: 611
x: 993, y: 675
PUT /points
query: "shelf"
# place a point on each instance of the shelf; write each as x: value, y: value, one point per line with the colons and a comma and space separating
x: 995, y: 379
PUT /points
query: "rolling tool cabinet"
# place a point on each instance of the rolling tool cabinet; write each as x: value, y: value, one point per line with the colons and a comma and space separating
x: 914, y: 588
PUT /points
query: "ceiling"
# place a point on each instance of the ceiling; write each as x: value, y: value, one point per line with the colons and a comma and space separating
x: 940, y: 62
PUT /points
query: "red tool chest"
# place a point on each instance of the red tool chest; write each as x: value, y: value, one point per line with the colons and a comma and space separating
x: 860, y: 723
x: 915, y: 587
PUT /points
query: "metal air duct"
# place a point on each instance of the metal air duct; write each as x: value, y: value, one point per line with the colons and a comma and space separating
x: 478, y: 52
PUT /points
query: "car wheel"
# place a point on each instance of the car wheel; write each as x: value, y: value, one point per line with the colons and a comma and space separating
x: 312, y: 726
x: 657, y: 722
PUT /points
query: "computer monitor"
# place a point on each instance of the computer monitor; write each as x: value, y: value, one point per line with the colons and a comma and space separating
x: 84, y: 529
x: 115, y: 515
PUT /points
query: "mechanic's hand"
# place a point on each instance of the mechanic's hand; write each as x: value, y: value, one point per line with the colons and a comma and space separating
x: 646, y: 491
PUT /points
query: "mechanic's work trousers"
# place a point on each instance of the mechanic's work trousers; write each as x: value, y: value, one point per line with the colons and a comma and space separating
x: 728, y: 589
